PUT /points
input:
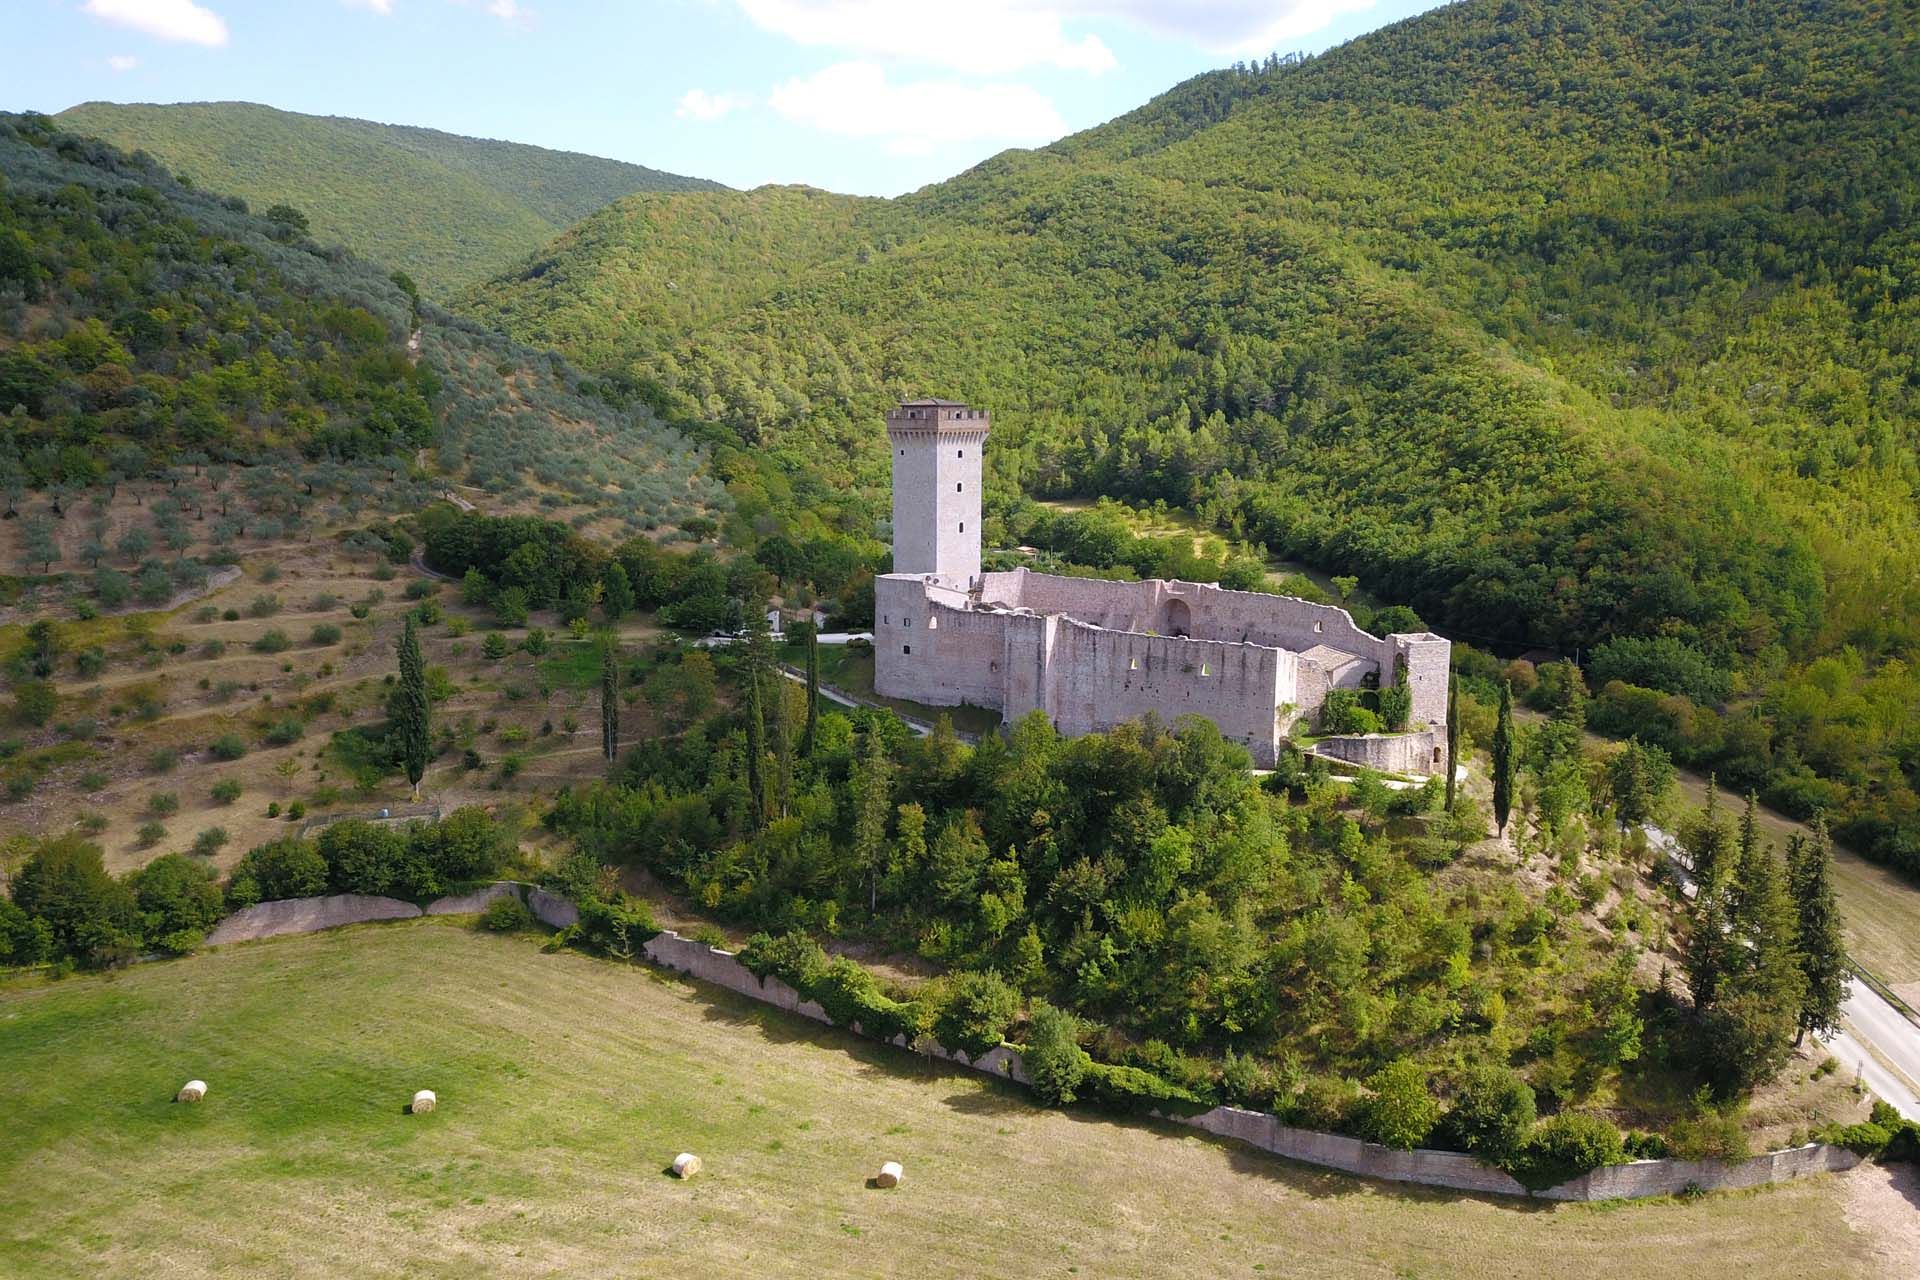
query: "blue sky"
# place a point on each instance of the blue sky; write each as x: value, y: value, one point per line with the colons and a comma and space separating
x: 869, y: 96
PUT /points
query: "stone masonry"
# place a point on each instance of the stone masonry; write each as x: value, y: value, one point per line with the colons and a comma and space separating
x: 1092, y: 654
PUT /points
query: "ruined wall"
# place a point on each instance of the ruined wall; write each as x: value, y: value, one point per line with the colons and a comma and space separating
x: 1429, y: 661
x: 1422, y: 752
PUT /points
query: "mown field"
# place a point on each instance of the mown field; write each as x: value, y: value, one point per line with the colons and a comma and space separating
x: 567, y: 1084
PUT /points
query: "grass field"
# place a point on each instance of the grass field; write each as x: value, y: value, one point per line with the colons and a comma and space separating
x: 567, y: 1084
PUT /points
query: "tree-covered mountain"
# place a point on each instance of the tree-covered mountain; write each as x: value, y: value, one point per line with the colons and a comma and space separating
x: 446, y: 209
x: 1580, y: 323
x: 147, y: 327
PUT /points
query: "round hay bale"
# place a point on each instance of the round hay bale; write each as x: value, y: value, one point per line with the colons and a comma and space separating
x: 686, y: 1164
x: 889, y: 1175
x: 423, y: 1102
x: 191, y: 1091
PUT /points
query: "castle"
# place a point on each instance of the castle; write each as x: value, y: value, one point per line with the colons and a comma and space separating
x: 1093, y: 654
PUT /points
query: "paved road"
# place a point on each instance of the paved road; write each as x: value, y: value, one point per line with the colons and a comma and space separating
x: 1868, y: 1022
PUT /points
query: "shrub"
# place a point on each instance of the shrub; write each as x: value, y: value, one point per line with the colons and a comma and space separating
x: 162, y: 804
x: 296, y: 811
x: 93, y: 780
x: 87, y: 914
x: 228, y: 746
x: 225, y: 791
x: 421, y: 589
x: 1492, y: 1114
x: 1566, y: 1146
x: 976, y: 1013
x: 325, y: 633
x: 178, y: 900
x: 495, y: 646
x: 794, y: 958
x: 19, y: 787
x: 284, y: 732
x: 90, y: 662
x: 1400, y: 1111
x: 617, y: 928
x: 263, y: 606
x: 1055, y: 1062
x: 1324, y: 1103
x: 289, y: 868
x: 1342, y: 713
x: 162, y: 759
x: 274, y: 641
x: 506, y: 914
x: 210, y: 841
x: 535, y: 641
x: 851, y: 995
x: 34, y: 701
x: 359, y: 611
x: 1133, y: 1089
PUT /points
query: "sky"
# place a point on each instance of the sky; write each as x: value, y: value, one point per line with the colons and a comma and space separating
x: 872, y: 97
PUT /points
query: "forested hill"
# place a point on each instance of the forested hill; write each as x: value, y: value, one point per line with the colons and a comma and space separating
x: 446, y: 209
x: 146, y: 327
x: 1564, y: 320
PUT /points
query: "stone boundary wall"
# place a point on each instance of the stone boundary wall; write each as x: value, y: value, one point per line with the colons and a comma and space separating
x: 1450, y: 1169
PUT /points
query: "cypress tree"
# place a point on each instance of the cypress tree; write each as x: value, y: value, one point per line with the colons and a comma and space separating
x: 1710, y: 950
x: 813, y: 691
x: 1505, y: 763
x: 410, y: 711
x: 1453, y: 733
x: 782, y: 746
x: 756, y: 749
x: 1753, y: 1020
x: 1823, y: 961
x: 873, y: 800
x: 610, y: 698
x: 617, y: 599
x: 757, y: 661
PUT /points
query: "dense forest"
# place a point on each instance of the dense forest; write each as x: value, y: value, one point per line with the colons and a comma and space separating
x: 1572, y: 323
x: 446, y: 209
x: 148, y: 330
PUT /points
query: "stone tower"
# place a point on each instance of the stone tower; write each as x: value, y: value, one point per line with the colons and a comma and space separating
x: 936, y: 488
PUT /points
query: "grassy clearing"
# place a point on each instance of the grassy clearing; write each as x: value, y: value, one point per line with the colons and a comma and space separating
x: 567, y: 1084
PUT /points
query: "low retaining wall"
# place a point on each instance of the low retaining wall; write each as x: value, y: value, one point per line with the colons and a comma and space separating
x: 1388, y: 752
x: 1449, y: 1169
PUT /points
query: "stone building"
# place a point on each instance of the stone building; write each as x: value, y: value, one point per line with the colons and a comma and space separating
x: 1093, y: 654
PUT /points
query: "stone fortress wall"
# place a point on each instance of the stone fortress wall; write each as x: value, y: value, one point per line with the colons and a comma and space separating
x: 1092, y: 654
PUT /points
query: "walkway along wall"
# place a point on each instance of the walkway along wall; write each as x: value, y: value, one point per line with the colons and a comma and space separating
x: 1448, y: 1169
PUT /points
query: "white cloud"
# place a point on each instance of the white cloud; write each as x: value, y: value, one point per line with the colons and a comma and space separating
x: 181, y: 20
x: 1240, y: 27
x: 986, y: 37
x: 505, y: 10
x: 382, y: 7
x: 123, y: 62
x: 698, y: 104
x: 857, y: 100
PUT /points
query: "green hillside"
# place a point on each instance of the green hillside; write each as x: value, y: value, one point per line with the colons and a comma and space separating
x: 1576, y: 323
x: 147, y: 328
x: 444, y: 208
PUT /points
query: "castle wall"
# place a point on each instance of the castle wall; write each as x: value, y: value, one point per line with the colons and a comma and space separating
x: 1429, y: 660
x: 927, y: 650
x: 1098, y: 679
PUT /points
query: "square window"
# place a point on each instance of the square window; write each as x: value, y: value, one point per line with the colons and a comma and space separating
x: 906, y: 622
x: 958, y: 487
x: 959, y: 453
x: 963, y: 526
x: 906, y: 648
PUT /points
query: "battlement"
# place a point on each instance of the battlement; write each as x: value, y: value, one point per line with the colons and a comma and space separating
x: 937, y: 415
